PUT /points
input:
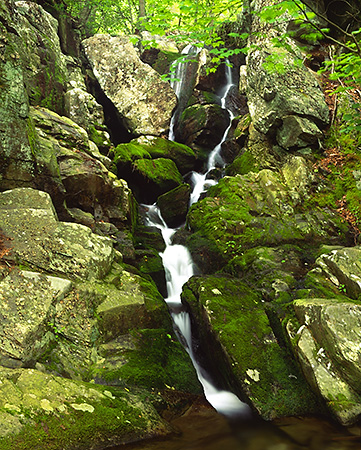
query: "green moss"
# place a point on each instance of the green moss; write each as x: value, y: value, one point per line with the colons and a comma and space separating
x: 239, y: 323
x: 183, y: 156
x: 343, y: 178
x: 158, y: 362
x: 160, y: 171
x: 164, y: 61
x: 242, y: 164
x: 77, y: 429
x: 98, y: 138
x: 249, y: 210
x: 125, y: 153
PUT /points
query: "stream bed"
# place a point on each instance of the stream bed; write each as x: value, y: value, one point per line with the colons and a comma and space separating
x: 202, y: 428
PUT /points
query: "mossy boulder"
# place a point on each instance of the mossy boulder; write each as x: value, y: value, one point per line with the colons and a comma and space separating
x: 200, y: 126
x: 183, y: 156
x: 150, y: 358
x: 173, y: 205
x: 256, y: 210
x: 150, y: 263
x: 154, y: 177
x: 43, y: 411
x: 272, y: 271
x: 233, y: 325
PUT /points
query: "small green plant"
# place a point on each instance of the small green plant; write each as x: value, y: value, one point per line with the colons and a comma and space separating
x: 342, y: 288
x: 53, y: 327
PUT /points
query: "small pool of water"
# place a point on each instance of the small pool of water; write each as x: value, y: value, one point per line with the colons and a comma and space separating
x: 202, y: 428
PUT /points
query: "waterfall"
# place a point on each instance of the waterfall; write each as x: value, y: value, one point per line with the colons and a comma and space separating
x: 178, y: 77
x: 178, y: 266
x: 200, y: 181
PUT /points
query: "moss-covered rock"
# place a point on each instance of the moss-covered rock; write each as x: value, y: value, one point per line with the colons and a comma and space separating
x: 238, y: 331
x: 183, y: 156
x: 154, y: 177
x: 173, y: 205
x: 255, y: 209
x: 200, y: 126
x: 150, y: 358
x: 43, y: 411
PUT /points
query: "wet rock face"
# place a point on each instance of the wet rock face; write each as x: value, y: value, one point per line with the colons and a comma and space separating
x: 235, y: 330
x: 201, y: 125
x: 142, y: 99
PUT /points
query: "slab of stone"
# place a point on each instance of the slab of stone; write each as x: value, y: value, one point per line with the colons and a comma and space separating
x: 343, y: 402
x: 24, y: 318
x: 143, y: 100
x: 38, y: 240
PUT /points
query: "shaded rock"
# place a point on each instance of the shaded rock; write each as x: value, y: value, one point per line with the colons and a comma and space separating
x: 29, y: 398
x: 200, y: 126
x: 297, y: 132
x: 341, y: 399
x: 239, y: 337
x: 45, y: 71
x: 150, y: 263
x: 72, y: 169
x: 17, y: 162
x: 38, y: 240
x: 173, y: 205
x: 144, y: 101
x: 154, y: 177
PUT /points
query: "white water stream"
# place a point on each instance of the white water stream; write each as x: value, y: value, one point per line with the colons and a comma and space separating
x: 178, y: 266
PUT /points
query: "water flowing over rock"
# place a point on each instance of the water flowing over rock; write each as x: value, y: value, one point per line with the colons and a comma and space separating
x: 144, y: 101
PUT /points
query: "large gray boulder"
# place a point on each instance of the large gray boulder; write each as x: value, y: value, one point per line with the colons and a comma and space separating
x: 39, y: 240
x: 285, y: 101
x: 143, y: 100
x: 328, y: 349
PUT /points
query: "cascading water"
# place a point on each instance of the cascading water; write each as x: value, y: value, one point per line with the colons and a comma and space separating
x: 178, y: 266
x: 200, y: 181
x: 178, y: 77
